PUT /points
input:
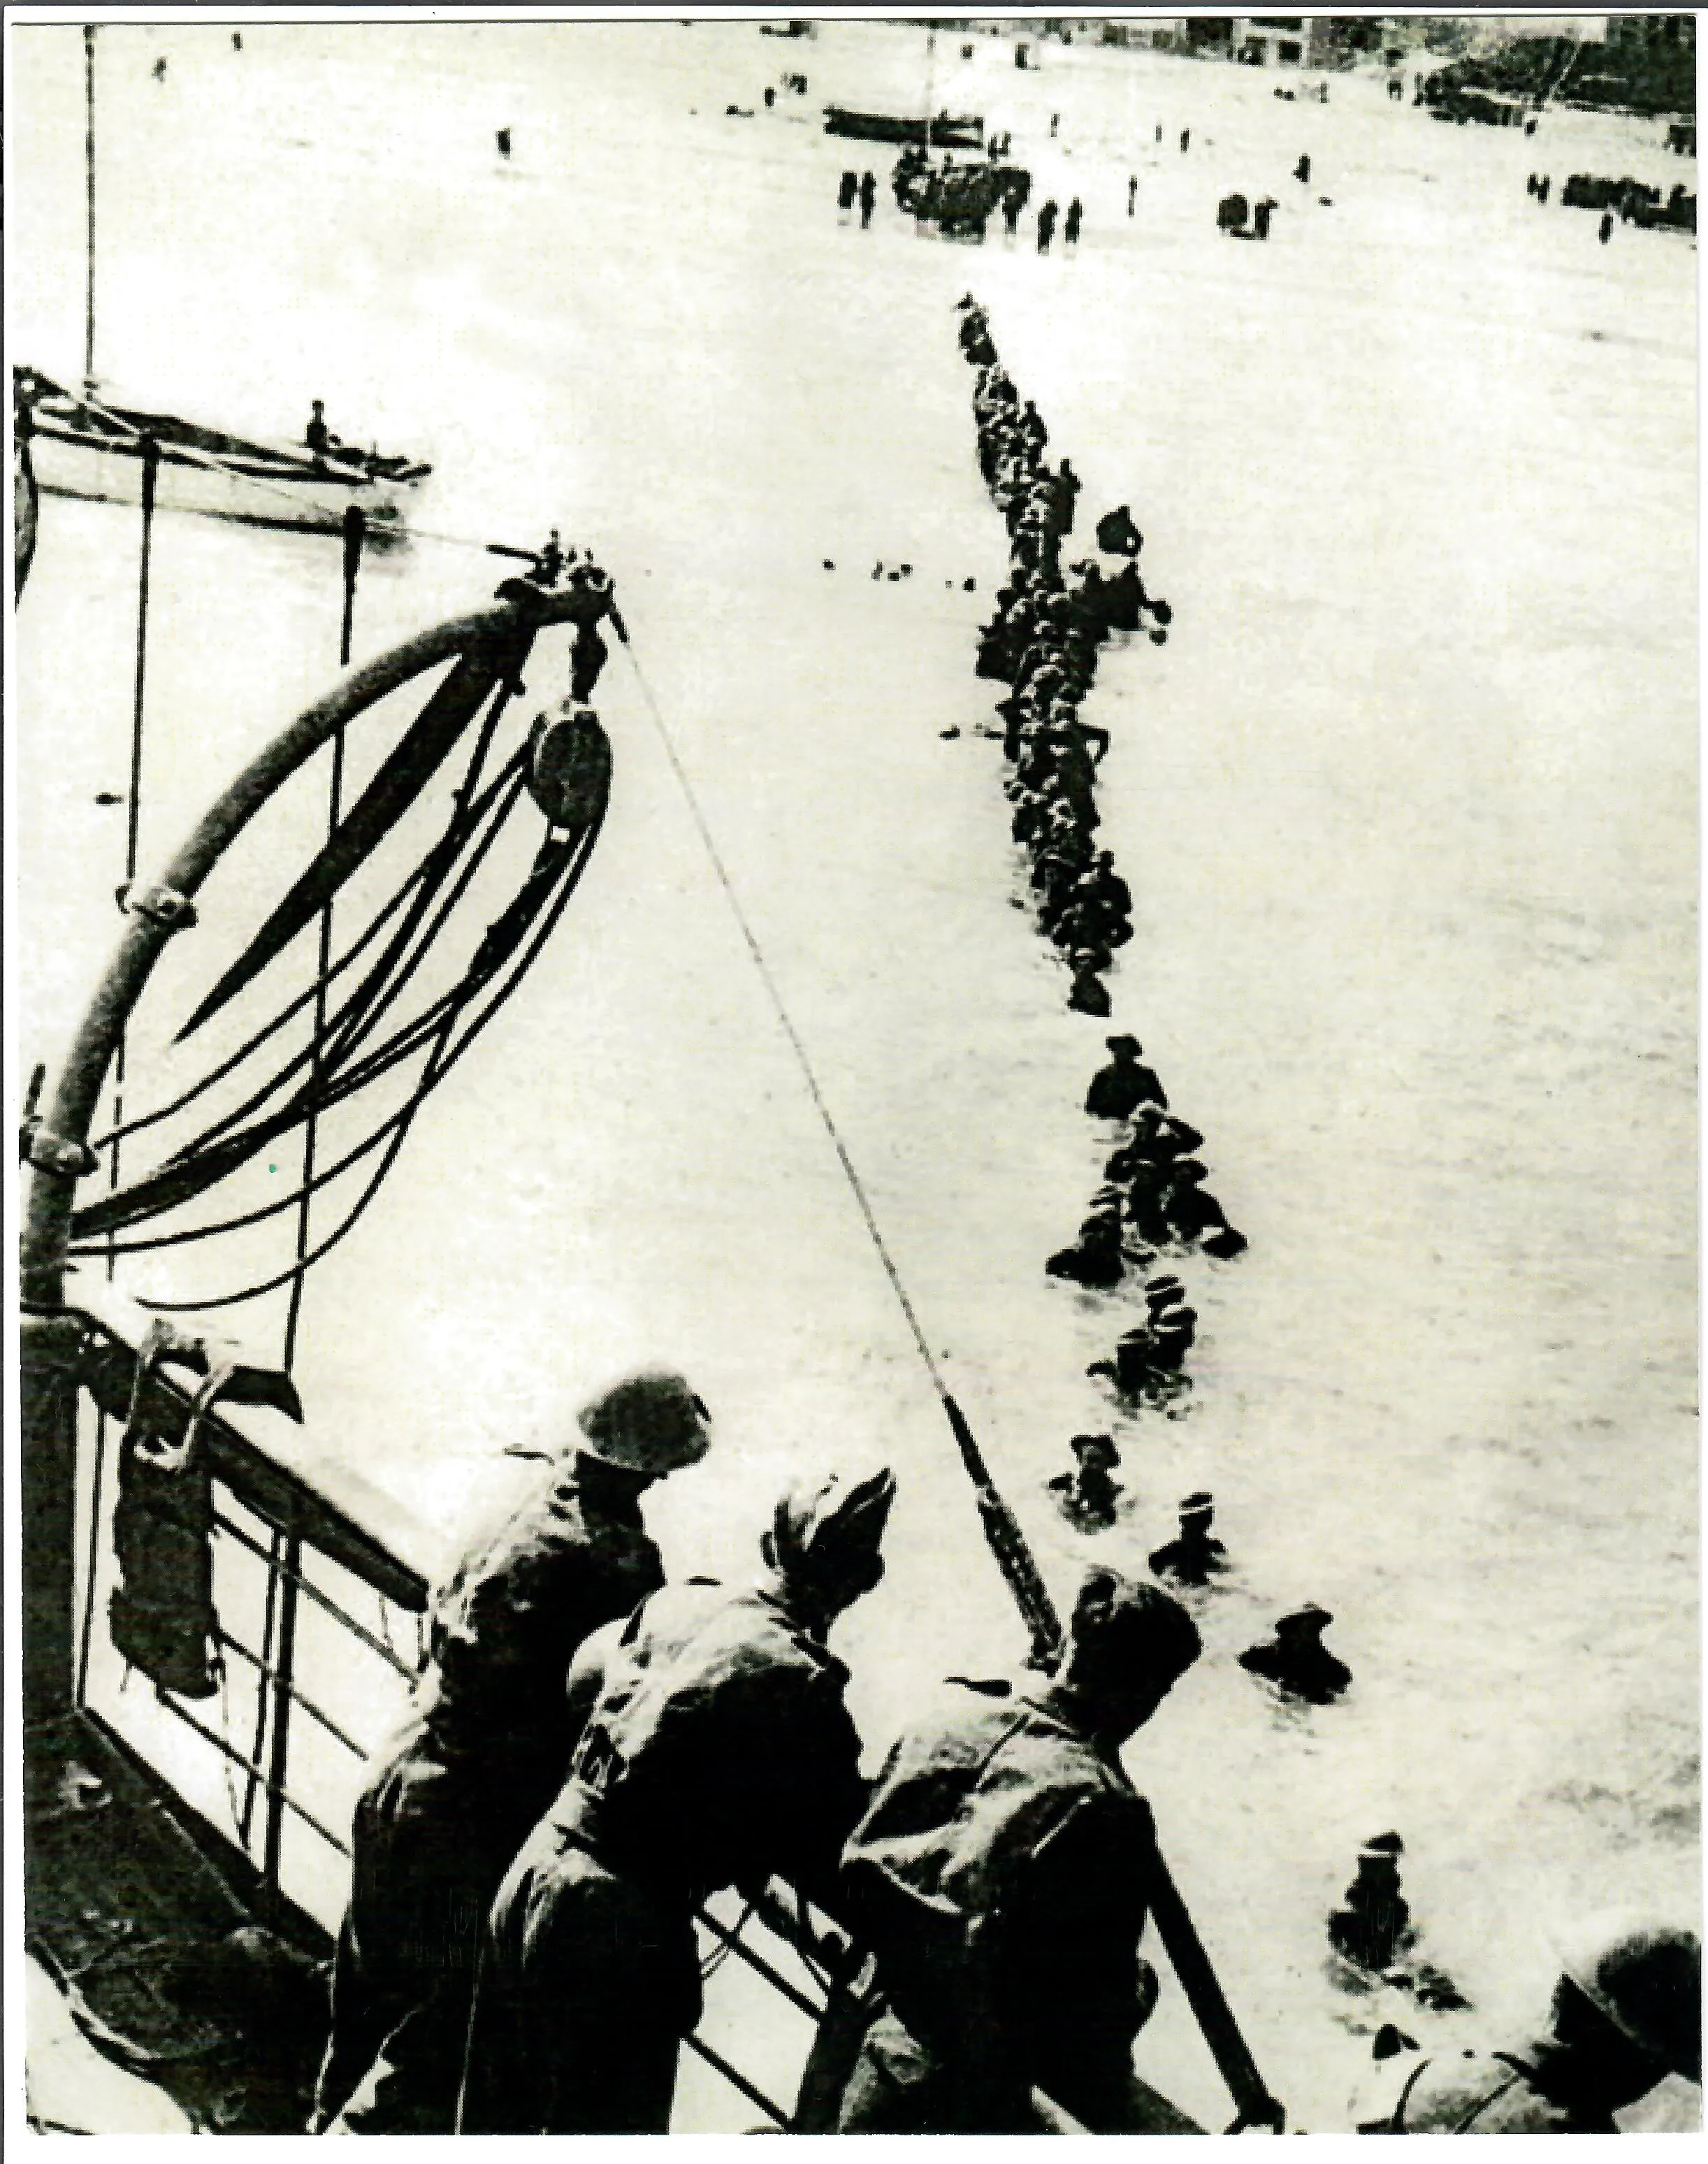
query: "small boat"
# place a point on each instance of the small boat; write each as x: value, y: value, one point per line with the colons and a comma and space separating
x: 90, y: 450
x: 946, y: 133
x: 82, y: 446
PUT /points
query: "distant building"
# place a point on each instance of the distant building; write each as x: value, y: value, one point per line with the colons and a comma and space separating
x: 1648, y: 33
x: 1276, y: 41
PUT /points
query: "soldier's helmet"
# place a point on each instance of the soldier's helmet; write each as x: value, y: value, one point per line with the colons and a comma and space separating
x: 1645, y: 1976
x: 646, y: 1421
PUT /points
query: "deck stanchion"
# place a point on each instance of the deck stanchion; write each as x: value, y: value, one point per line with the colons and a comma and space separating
x: 355, y: 527
x: 289, y: 1569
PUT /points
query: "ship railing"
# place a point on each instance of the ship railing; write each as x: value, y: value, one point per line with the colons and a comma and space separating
x: 320, y: 1585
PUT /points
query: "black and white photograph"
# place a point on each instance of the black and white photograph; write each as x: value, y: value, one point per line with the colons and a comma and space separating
x: 852, y: 994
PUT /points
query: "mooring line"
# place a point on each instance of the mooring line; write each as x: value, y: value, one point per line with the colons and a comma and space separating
x: 1003, y: 1537
x: 789, y: 1030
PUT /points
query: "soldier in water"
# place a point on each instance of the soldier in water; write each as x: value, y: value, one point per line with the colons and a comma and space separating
x: 1194, y: 1556
x: 1118, y: 1090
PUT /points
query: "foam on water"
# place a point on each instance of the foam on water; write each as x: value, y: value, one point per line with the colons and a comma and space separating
x: 1406, y: 805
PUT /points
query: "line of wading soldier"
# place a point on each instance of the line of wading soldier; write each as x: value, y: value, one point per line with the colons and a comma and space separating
x: 591, y: 1752
x: 1043, y: 641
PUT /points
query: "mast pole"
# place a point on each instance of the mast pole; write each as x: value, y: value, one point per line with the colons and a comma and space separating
x: 930, y: 75
x: 89, y: 190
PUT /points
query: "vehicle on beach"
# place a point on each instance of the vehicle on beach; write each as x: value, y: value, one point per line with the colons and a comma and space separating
x: 944, y: 133
x: 96, y: 451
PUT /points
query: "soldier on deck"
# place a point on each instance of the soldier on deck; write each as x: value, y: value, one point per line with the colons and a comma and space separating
x: 1627, y: 2012
x: 716, y: 1751
x: 1000, y: 1877
x: 483, y: 1752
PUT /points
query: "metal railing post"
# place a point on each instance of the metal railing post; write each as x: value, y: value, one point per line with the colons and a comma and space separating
x: 287, y: 1570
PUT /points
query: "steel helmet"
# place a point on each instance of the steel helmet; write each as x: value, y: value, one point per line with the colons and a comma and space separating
x: 1645, y: 1977
x: 649, y: 1421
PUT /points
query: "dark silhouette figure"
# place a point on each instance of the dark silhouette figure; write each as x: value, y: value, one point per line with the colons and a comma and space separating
x: 1373, y: 1927
x: 1046, y: 227
x: 549, y: 564
x: 1297, y: 1661
x: 1090, y: 995
x: 868, y: 197
x: 1076, y: 218
x: 1261, y: 217
x: 1117, y: 534
x: 1132, y: 193
x: 1095, y: 1259
x: 1302, y: 171
x: 502, y: 139
x: 1150, y: 1356
x: 1088, y: 1495
x: 1606, y: 227
x: 1118, y: 1090
x: 1186, y: 139
x: 1194, y: 1556
x: 847, y: 190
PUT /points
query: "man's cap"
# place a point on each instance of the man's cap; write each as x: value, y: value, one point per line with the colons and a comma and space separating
x: 1199, y: 1504
x: 1162, y: 1284
x: 1307, y: 1621
x: 1127, y: 1620
x: 1103, y: 1445
x: 1124, y: 1043
x: 820, y: 1529
x: 647, y: 1421
x: 1190, y: 1169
